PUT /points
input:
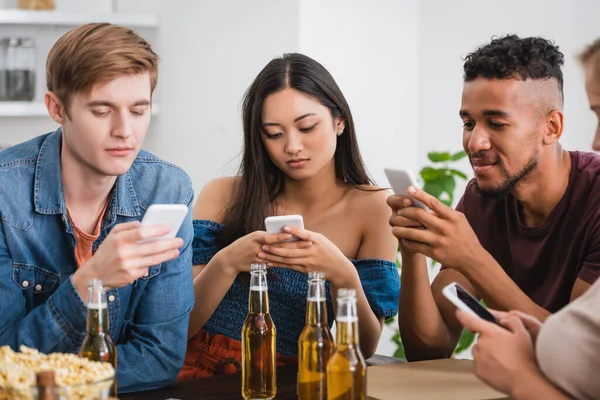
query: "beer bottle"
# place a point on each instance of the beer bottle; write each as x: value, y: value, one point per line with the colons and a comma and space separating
x: 315, y: 345
x: 46, y: 385
x: 258, y: 340
x: 98, y: 345
x: 346, y: 370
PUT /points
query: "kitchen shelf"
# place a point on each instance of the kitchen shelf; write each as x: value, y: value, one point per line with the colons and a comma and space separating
x: 26, y: 17
x: 17, y: 109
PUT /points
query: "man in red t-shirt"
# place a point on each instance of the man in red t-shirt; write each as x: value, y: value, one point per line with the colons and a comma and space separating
x: 525, y: 235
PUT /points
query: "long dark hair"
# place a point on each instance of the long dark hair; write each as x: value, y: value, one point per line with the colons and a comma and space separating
x: 260, y: 180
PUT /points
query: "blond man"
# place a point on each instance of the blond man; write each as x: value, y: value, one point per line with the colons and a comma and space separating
x: 70, y: 206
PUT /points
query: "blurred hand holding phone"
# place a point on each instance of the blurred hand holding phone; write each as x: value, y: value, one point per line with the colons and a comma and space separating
x: 400, y: 180
x: 167, y: 214
x: 466, y: 302
x: 276, y: 224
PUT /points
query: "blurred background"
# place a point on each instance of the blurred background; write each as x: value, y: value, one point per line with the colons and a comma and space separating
x: 399, y: 63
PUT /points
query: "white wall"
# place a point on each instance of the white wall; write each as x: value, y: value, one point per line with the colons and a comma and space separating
x: 370, y: 48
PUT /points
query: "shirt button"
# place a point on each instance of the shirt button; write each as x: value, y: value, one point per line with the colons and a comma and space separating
x: 38, y: 287
x: 111, y: 298
x: 25, y: 284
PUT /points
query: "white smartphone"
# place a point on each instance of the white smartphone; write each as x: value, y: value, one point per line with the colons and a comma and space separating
x: 466, y: 302
x: 400, y: 180
x: 276, y: 224
x: 170, y: 214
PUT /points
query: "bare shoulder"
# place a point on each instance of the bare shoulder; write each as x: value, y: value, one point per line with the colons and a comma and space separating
x: 214, y: 199
x: 368, y: 205
x: 370, y: 200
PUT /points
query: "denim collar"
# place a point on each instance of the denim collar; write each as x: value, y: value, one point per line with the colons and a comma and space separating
x: 49, y: 196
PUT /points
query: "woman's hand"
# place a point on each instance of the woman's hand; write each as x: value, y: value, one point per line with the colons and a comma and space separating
x: 241, y: 253
x: 314, y: 252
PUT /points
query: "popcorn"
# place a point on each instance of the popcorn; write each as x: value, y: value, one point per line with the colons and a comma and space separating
x: 76, y: 377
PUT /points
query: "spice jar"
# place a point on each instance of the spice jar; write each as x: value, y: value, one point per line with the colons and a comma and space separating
x: 19, y: 69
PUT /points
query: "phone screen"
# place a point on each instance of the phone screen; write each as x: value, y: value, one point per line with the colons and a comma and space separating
x: 473, y: 304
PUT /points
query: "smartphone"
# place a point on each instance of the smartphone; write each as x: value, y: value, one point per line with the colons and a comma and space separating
x: 467, y: 302
x: 400, y: 180
x: 170, y: 214
x: 276, y: 224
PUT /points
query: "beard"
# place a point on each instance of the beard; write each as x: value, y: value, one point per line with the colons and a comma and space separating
x: 510, y: 180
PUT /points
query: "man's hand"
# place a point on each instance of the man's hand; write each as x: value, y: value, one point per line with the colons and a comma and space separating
x: 446, y: 237
x: 121, y: 259
x: 531, y: 323
x: 398, y: 203
x: 504, y: 355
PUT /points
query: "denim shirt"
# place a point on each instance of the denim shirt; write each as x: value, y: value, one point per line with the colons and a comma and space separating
x: 40, y: 307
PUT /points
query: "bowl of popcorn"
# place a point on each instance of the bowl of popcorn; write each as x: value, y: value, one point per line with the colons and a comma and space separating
x: 76, y: 378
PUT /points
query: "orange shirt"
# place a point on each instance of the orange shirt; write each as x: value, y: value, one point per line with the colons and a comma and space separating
x: 83, y: 240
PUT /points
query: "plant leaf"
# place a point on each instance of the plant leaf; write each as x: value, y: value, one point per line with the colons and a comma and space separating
x: 448, y: 184
x: 466, y: 340
x: 399, y: 353
x: 439, y: 157
x: 434, y: 188
x: 460, y: 155
x: 458, y: 173
x: 429, y: 174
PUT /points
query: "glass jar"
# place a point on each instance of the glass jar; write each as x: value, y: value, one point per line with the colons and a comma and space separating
x: 3, y: 67
x: 19, y: 69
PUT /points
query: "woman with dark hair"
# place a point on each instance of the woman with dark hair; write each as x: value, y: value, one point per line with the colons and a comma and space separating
x: 300, y: 157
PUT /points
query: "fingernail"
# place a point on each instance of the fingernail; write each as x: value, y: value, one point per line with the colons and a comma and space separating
x: 287, y: 229
x: 262, y: 255
x: 406, y: 202
x: 287, y: 236
x: 265, y: 248
x: 269, y: 264
x: 411, y: 189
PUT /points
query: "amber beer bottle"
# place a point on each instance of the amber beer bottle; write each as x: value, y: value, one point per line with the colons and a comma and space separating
x: 346, y: 370
x: 258, y: 340
x: 98, y: 345
x: 315, y: 345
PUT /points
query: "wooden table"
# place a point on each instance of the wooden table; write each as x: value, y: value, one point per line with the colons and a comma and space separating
x: 387, y: 378
x: 428, y: 380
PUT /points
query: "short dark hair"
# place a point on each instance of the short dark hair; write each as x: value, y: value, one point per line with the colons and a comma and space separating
x: 512, y: 57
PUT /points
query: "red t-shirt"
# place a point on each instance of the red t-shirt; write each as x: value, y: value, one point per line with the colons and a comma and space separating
x: 544, y: 261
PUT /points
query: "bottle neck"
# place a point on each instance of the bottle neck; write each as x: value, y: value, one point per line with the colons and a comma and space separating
x: 97, y: 313
x: 346, y: 322
x: 316, y: 305
x: 97, y: 320
x: 258, y: 299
